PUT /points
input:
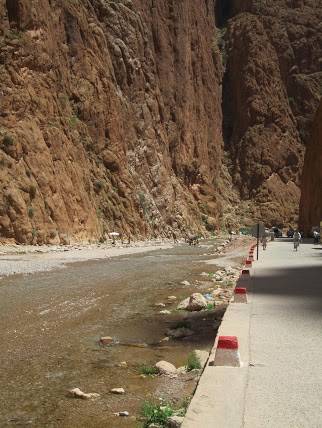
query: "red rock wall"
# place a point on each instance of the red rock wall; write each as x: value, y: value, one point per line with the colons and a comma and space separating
x: 311, y: 198
x: 111, y: 114
x: 110, y: 118
x: 272, y: 87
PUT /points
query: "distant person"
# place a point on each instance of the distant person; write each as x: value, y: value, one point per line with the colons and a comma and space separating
x: 264, y: 241
x: 316, y: 236
x: 175, y: 239
x: 296, y: 239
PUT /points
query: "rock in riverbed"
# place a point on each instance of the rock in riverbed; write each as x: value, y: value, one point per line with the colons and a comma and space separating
x: 166, y: 368
x: 77, y: 393
x: 124, y: 413
x: 165, y: 312
x: 106, y: 340
x: 197, y: 302
x: 175, y: 421
x: 118, y: 391
x: 180, y: 332
x: 183, y: 305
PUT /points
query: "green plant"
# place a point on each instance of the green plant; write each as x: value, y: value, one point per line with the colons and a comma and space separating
x: 8, y: 141
x: 148, y: 370
x: 193, y: 362
x: 210, y: 307
x: 73, y: 121
x: 98, y: 186
x: 143, y: 202
x: 52, y: 234
x: 31, y: 212
x: 156, y: 414
x: 32, y: 192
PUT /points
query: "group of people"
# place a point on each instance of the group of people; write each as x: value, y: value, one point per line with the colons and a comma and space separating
x: 297, y: 237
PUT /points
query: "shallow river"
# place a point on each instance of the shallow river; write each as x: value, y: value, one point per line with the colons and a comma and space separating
x: 50, y: 324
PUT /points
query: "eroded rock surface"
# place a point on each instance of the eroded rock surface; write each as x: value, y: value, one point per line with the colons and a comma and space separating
x: 271, y: 90
x: 311, y: 199
x: 110, y: 118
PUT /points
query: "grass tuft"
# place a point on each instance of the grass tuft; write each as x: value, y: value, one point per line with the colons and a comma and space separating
x: 156, y: 414
x: 148, y: 370
x: 193, y: 362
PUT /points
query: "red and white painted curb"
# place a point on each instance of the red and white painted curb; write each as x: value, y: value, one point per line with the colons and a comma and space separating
x: 227, y: 353
x: 240, y: 295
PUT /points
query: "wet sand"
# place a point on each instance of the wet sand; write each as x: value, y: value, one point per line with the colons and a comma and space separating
x: 50, y: 324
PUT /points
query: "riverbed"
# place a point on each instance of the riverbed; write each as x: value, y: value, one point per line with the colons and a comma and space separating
x: 51, y: 323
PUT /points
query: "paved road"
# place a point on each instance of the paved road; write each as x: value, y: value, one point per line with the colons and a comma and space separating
x: 280, y: 385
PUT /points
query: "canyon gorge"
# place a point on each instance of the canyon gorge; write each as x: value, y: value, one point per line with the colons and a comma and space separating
x: 150, y: 117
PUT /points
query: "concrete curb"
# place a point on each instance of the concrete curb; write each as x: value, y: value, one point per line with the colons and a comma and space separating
x: 219, y: 398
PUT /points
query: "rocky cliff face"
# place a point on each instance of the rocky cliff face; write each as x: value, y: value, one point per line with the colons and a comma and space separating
x: 110, y: 118
x: 112, y: 114
x: 272, y: 88
x: 311, y: 199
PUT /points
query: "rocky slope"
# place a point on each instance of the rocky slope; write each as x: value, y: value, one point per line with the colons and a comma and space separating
x: 110, y: 118
x: 272, y: 88
x: 113, y: 114
x: 311, y: 198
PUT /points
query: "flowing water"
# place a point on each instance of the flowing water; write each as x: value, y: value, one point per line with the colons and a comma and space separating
x: 50, y: 325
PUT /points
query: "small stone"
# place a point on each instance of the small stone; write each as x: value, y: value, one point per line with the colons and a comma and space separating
x: 165, y: 339
x: 122, y: 364
x: 180, y: 332
x: 125, y: 413
x: 183, y: 305
x: 187, y: 283
x: 165, y: 312
x: 175, y: 421
x: 166, y: 368
x: 77, y: 393
x: 160, y: 305
x: 106, y: 340
x: 172, y: 298
x: 197, y: 302
x: 117, y: 391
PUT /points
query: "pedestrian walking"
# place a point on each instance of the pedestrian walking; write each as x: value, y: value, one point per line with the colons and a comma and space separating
x: 316, y: 236
x: 264, y: 241
x: 296, y: 239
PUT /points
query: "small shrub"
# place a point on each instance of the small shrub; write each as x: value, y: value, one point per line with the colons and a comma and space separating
x: 52, y: 234
x: 32, y: 192
x: 31, y: 212
x: 8, y: 141
x: 98, y: 186
x: 193, y: 362
x: 156, y: 414
x: 73, y: 121
x: 148, y: 370
x: 210, y: 307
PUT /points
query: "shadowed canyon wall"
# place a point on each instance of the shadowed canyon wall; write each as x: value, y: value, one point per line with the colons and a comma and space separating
x: 311, y: 199
x: 148, y: 117
x: 271, y: 90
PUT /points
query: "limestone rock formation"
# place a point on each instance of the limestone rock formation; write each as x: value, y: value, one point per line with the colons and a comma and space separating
x: 311, y: 198
x: 113, y: 115
x: 271, y: 89
x: 110, y: 118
